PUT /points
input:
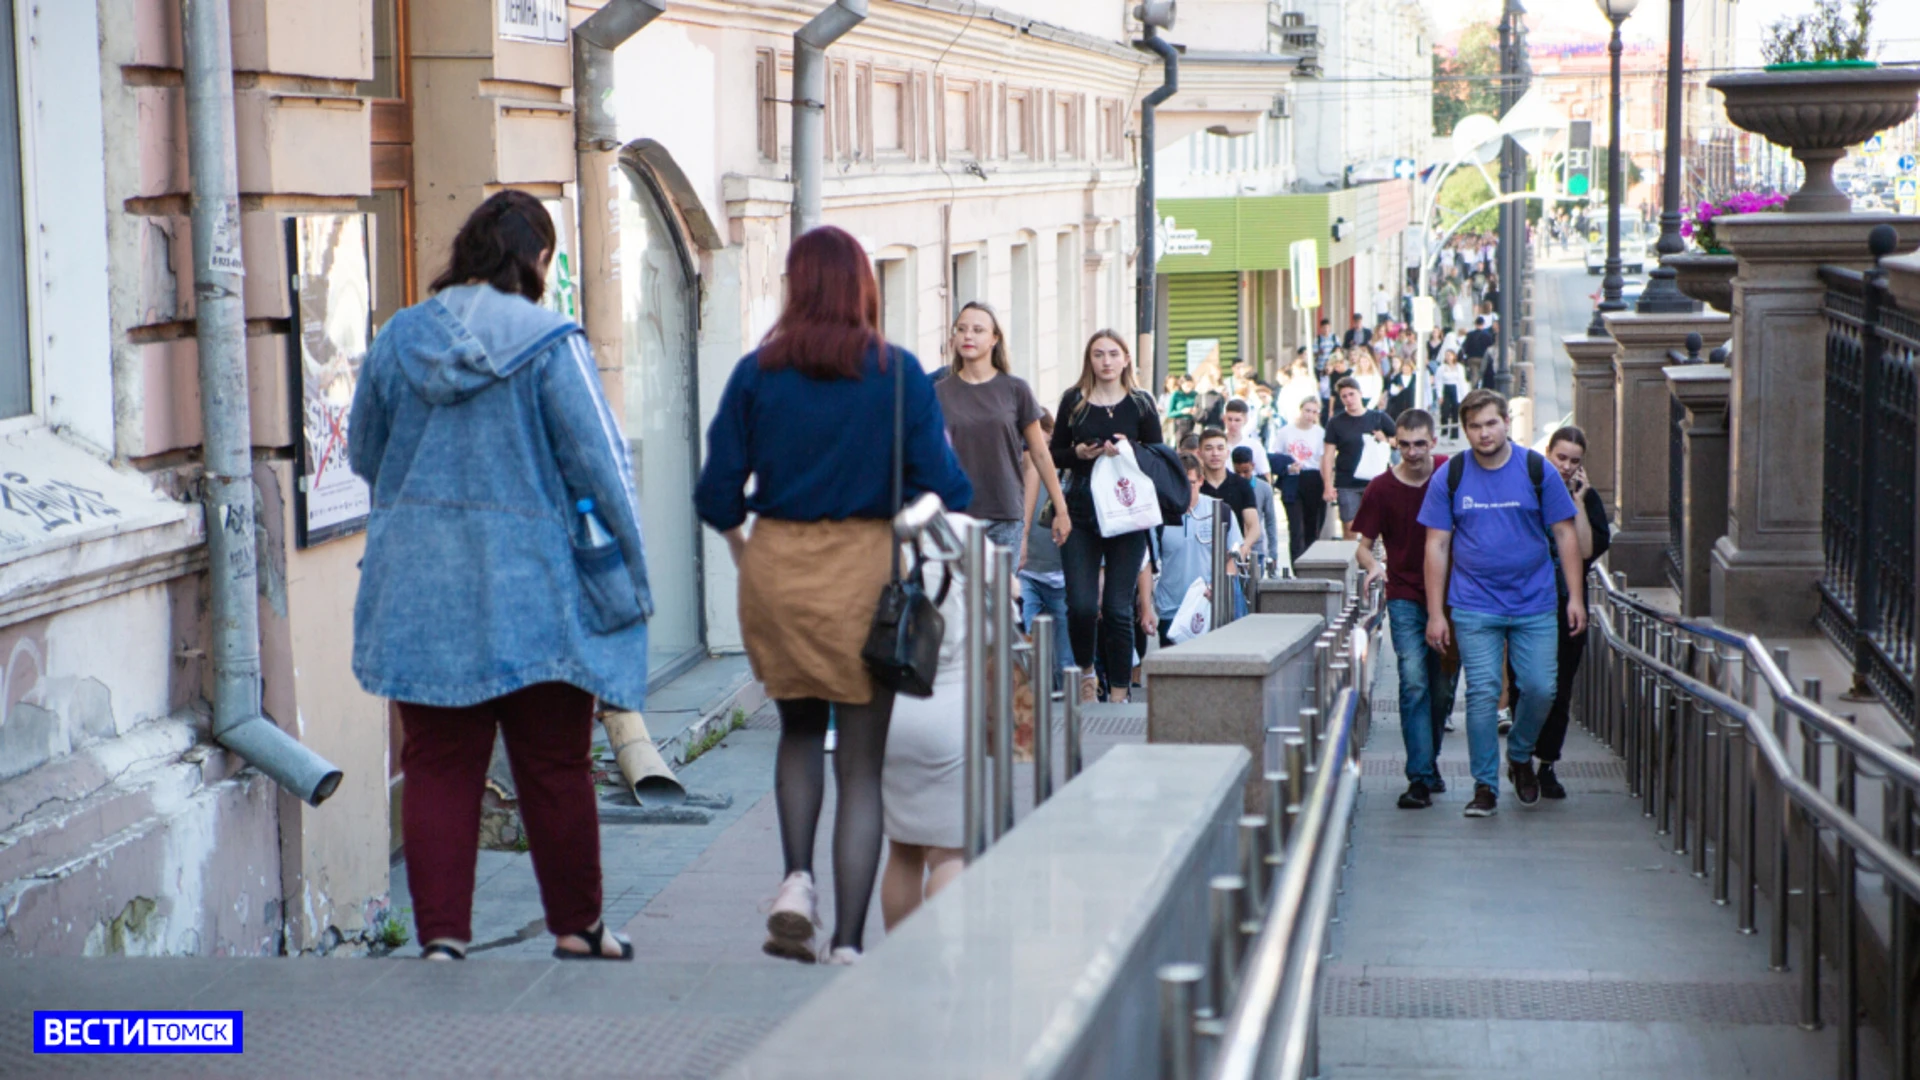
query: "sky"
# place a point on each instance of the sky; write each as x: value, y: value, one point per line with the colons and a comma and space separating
x: 1896, y: 23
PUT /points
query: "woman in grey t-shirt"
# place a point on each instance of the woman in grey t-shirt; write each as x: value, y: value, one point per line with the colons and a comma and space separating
x: 993, y: 418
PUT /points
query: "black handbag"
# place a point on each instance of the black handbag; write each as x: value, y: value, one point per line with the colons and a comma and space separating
x: 903, y: 645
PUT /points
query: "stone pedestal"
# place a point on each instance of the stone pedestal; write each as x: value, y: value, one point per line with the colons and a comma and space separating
x: 1230, y: 685
x: 1703, y: 390
x: 1330, y: 560
x: 1643, y: 434
x: 1593, y: 410
x: 1767, y: 567
x: 1300, y: 596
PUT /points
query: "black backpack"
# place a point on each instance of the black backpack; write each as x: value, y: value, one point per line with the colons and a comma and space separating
x: 1536, y: 472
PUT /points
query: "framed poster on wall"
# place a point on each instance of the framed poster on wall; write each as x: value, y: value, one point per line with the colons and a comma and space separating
x: 328, y: 269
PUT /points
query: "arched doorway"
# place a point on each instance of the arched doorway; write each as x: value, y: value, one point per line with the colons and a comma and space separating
x: 659, y: 300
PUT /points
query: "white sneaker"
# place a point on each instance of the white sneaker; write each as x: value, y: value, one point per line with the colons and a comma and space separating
x: 844, y: 956
x: 1505, y: 723
x: 790, y: 926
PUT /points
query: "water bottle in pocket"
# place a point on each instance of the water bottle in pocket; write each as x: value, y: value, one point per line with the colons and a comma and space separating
x: 609, y: 600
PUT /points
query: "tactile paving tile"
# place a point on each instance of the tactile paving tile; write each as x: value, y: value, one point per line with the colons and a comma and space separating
x: 1614, y: 1001
x: 285, y: 1043
x: 1566, y: 770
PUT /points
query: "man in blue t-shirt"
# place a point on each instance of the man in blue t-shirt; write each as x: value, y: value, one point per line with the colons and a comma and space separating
x: 1494, y: 522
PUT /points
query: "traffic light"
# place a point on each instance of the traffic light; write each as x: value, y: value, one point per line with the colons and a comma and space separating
x: 1579, y: 157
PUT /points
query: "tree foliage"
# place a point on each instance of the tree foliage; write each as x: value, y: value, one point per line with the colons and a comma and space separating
x: 1464, y: 190
x: 1465, y: 80
x: 1834, y: 30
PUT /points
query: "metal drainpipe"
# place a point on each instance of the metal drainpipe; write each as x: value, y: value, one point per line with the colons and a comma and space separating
x: 596, y: 142
x: 810, y: 104
x: 220, y: 328
x: 1147, y: 217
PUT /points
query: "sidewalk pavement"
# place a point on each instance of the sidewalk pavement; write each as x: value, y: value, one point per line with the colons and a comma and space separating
x: 1563, y: 939
x: 698, y: 995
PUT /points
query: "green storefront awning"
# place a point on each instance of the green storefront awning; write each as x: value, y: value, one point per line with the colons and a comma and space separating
x: 1253, y: 232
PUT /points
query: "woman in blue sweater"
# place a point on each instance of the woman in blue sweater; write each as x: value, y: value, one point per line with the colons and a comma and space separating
x: 808, y: 418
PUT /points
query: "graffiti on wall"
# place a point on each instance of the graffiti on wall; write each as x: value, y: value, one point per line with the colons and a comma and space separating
x: 30, y: 508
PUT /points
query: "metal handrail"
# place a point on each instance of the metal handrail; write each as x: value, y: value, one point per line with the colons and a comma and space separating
x: 1661, y: 715
x: 1894, y: 761
x: 988, y: 598
x: 1267, y: 1030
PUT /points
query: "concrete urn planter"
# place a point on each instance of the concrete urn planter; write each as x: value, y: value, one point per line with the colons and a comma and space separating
x: 1706, y: 278
x: 1819, y: 114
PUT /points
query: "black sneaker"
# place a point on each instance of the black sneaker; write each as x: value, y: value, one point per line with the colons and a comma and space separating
x: 1550, y: 787
x: 1485, y: 802
x: 1438, y: 787
x: 1526, y: 786
x: 1416, y: 797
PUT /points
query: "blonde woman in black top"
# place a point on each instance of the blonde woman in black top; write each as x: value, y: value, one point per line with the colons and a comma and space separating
x: 1106, y: 405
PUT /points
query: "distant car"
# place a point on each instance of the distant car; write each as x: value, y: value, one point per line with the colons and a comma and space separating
x: 1633, y: 244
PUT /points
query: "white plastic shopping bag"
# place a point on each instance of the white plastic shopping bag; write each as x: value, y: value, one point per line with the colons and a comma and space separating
x: 1124, y: 499
x: 1374, y: 460
x: 1196, y: 612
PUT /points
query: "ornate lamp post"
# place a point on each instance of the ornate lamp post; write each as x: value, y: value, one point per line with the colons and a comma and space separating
x: 1615, y: 280
x: 1662, y: 294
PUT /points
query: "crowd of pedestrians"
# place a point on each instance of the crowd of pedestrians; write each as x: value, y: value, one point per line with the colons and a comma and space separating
x: 820, y: 435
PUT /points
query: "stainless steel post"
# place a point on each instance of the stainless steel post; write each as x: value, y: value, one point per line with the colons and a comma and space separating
x: 1222, y: 594
x: 1224, y: 895
x: 1043, y: 665
x: 1663, y: 791
x: 1313, y: 728
x: 1849, y: 965
x: 1002, y: 588
x: 1723, y: 810
x: 1276, y: 783
x: 1177, y: 985
x: 1297, y: 767
x: 1070, y: 718
x: 1782, y: 836
x: 1902, y: 935
x: 1253, y: 865
x: 973, y: 571
x: 1322, y: 680
x: 1810, y: 875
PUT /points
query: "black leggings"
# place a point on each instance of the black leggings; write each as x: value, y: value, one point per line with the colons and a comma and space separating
x: 1100, y: 614
x: 799, y: 786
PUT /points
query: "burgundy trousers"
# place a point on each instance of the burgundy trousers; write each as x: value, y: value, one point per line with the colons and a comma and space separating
x: 548, y: 730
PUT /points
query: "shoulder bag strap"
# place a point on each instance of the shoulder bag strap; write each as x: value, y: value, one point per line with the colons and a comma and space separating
x: 899, y: 359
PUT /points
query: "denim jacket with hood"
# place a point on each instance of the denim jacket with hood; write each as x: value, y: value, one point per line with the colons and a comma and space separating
x: 479, y: 422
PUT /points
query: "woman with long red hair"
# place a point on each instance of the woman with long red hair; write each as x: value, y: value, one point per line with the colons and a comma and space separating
x: 808, y: 418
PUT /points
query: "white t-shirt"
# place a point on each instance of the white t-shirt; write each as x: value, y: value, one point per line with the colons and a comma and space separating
x: 1305, y: 445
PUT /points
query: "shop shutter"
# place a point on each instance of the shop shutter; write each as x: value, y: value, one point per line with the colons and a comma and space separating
x: 1202, y: 306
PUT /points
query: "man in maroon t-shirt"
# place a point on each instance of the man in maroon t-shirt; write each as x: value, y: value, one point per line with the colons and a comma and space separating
x: 1390, y: 512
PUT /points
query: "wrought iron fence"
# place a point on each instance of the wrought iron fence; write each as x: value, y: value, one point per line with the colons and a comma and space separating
x: 1867, y: 513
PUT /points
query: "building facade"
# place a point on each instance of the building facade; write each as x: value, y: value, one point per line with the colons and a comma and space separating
x: 1339, y: 113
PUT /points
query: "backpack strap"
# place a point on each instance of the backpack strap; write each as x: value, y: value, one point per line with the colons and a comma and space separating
x: 1456, y: 468
x: 1536, y: 472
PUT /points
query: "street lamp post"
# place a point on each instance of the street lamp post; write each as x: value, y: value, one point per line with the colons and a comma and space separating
x: 1615, y: 280
x: 1662, y: 294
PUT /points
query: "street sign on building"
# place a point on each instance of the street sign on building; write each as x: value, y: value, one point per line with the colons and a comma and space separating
x: 1906, y: 193
x: 1906, y: 162
x: 542, y: 21
x: 1303, y: 265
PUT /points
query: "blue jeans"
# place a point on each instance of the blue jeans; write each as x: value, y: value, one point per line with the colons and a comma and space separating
x: 1037, y: 598
x: 1531, y: 644
x: 1426, y: 693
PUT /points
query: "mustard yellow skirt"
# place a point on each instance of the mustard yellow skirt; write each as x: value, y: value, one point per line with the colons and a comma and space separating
x: 808, y: 590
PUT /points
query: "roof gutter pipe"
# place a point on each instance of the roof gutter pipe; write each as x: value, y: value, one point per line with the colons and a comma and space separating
x: 220, y: 329
x: 1147, y: 217
x: 810, y: 104
x: 596, y: 145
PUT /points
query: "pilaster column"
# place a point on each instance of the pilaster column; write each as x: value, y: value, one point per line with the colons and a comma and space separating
x: 1767, y: 568
x: 1703, y: 390
x: 1643, y: 434
x: 1593, y: 406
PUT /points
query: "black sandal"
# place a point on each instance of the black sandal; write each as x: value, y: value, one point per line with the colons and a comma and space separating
x: 595, y: 937
x: 443, y: 948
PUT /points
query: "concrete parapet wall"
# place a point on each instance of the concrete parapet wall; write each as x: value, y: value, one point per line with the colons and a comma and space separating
x: 1230, y: 685
x: 1039, y: 961
x: 1330, y: 560
x: 1299, y: 596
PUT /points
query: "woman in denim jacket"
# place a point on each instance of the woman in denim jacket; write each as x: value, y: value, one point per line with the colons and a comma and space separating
x: 486, y: 598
